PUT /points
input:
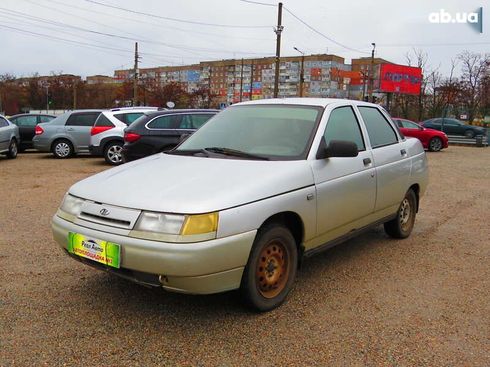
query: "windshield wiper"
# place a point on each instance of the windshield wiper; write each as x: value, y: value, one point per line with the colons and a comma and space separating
x: 234, y: 153
x: 188, y: 152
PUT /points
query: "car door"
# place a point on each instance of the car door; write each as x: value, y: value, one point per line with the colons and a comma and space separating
x: 390, y: 158
x: 164, y: 131
x: 77, y: 128
x: 27, y: 127
x: 410, y: 128
x: 4, y: 134
x: 345, y: 187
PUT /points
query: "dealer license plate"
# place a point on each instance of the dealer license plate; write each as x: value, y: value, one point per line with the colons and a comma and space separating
x: 104, y: 252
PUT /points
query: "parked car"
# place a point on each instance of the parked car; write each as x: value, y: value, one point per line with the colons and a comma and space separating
x: 240, y: 202
x: 107, y: 134
x: 27, y: 126
x: 67, y: 134
x: 9, y: 138
x: 431, y: 139
x: 160, y: 131
x: 453, y: 127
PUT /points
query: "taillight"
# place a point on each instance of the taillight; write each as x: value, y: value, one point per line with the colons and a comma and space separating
x: 131, y: 137
x: 99, y: 129
x: 38, y: 130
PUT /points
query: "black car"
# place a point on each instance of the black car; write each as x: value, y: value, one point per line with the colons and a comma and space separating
x: 453, y: 127
x: 159, y: 131
x: 27, y: 125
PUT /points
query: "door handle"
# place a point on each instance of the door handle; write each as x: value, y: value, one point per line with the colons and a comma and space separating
x: 403, y: 152
x: 366, y: 161
x: 70, y: 129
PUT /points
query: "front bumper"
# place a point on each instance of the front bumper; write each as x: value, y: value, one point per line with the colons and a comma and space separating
x: 199, y: 268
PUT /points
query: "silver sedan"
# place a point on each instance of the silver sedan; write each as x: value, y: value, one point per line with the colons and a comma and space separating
x: 241, y: 202
x: 9, y: 138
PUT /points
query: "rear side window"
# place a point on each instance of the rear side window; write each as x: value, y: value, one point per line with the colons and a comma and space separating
x: 343, y: 125
x: 82, y: 119
x: 199, y: 120
x: 131, y: 117
x: 102, y: 120
x: 379, y: 129
x: 46, y: 118
x: 165, y: 122
x: 27, y: 121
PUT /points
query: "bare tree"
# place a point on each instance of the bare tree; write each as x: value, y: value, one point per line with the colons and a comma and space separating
x: 473, y: 67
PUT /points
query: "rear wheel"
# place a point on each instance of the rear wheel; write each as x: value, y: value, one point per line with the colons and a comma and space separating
x: 62, y: 148
x: 469, y: 134
x: 435, y: 144
x: 113, y: 153
x: 13, y: 149
x: 402, y: 225
x: 271, y: 268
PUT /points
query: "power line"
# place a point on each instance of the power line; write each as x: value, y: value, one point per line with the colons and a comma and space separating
x: 173, y: 19
x: 322, y: 34
x: 258, y: 3
x: 133, y: 39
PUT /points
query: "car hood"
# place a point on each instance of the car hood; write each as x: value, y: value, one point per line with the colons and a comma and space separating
x: 184, y: 184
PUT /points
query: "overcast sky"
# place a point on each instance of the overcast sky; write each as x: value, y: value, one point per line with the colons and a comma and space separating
x: 60, y: 35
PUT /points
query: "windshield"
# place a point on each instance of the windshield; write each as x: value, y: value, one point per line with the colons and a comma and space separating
x: 278, y: 132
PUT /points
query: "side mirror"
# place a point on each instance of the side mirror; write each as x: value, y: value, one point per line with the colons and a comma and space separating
x: 337, y: 148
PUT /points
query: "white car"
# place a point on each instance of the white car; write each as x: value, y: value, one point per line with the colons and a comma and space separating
x: 240, y: 202
x: 107, y: 134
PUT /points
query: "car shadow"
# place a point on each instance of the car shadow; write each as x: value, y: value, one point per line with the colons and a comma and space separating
x: 136, y: 300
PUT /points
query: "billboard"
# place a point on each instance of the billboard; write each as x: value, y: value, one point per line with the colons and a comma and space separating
x: 400, y: 79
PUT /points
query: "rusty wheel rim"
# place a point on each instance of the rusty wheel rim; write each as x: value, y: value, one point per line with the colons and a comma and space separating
x: 272, y: 270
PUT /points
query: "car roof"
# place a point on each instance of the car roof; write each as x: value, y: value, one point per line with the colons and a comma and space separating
x: 322, y: 102
x: 32, y: 114
x: 180, y: 111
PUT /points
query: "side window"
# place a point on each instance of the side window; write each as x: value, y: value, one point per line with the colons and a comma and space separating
x: 165, y: 122
x: 3, y: 122
x: 45, y: 118
x: 409, y: 124
x: 103, y: 120
x: 186, y: 122
x: 26, y: 121
x: 82, y: 119
x: 131, y: 117
x: 379, y: 129
x: 343, y: 125
x: 199, y: 120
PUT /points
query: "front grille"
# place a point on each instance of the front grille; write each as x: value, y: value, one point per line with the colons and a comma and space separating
x: 105, y: 220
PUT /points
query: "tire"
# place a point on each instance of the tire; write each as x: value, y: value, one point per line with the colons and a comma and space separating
x: 435, y: 144
x: 62, y: 149
x: 271, y: 268
x: 470, y: 134
x: 402, y: 225
x: 13, y: 149
x: 112, y: 153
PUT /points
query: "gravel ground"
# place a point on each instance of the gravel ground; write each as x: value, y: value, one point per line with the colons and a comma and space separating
x: 373, y: 301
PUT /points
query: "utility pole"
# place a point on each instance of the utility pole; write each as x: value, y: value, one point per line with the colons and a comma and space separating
x: 251, y: 79
x: 278, y: 31
x: 209, y: 85
x: 302, y: 72
x: 371, y: 74
x: 47, y: 97
x: 241, y: 81
x: 136, y: 71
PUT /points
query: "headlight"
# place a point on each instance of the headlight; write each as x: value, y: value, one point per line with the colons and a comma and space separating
x: 72, y: 205
x: 176, y: 228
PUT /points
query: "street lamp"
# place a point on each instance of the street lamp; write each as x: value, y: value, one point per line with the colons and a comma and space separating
x: 371, y: 74
x: 302, y: 72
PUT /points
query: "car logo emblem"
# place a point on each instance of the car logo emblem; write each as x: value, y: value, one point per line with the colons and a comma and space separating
x: 104, y: 212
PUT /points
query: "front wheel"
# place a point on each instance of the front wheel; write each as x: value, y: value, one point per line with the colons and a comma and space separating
x: 435, y: 144
x: 13, y: 148
x: 402, y: 225
x: 469, y: 134
x: 113, y: 153
x: 271, y: 268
